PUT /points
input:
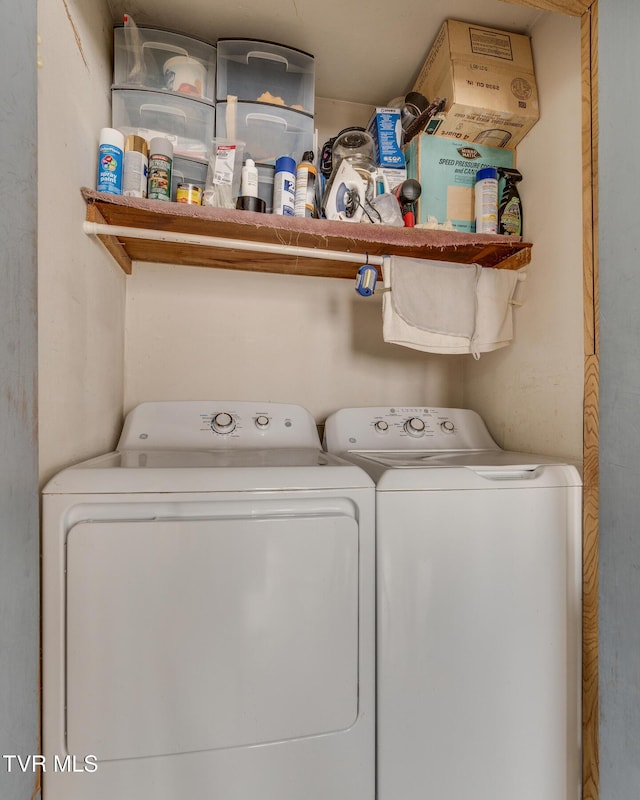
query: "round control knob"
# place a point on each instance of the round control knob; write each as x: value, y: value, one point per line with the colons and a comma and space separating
x: 381, y: 426
x: 447, y: 426
x: 223, y: 423
x: 262, y: 421
x: 414, y: 426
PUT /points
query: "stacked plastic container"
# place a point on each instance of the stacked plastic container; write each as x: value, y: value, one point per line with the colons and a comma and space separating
x: 265, y: 97
x: 164, y: 85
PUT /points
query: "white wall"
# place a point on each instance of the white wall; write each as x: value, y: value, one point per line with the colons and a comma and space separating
x: 531, y: 392
x: 197, y: 333
x: 81, y: 290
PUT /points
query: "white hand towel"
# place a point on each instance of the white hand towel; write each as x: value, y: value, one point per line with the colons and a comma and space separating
x: 441, y: 307
x: 494, y: 323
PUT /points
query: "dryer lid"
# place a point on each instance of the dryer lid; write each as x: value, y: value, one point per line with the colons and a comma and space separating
x: 137, y: 471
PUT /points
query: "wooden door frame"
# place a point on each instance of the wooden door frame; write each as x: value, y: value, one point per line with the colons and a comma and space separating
x: 587, y: 10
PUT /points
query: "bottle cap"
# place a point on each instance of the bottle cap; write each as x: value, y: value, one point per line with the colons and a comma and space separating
x: 137, y: 143
x: 249, y: 162
x: 113, y: 137
x: 285, y: 164
x: 486, y: 172
x: 161, y: 146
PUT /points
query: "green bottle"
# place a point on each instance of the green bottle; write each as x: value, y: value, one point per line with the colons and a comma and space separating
x: 510, y: 210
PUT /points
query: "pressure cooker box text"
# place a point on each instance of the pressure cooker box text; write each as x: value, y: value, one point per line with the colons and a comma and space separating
x: 488, y: 80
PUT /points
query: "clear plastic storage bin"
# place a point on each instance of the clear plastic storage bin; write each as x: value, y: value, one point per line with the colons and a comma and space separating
x: 267, y: 132
x: 187, y: 170
x: 155, y: 59
x: 264, y: 72
x: 187, y: 122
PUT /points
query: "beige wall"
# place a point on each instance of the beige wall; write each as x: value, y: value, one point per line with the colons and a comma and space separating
x: 530, y: 393
x: 81, y: 291
x: 198, y: 333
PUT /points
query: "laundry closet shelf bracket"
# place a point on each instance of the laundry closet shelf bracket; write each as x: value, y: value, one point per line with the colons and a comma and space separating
x: 174, y: 233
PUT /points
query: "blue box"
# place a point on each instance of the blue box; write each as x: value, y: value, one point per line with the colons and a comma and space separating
x: 386, y: 130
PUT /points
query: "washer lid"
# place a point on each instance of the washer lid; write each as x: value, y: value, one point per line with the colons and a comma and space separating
x: 478, y: 469
x: 480, y: 459
x: 135, y: 471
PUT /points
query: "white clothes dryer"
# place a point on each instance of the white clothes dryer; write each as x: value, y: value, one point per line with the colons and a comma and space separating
x: 478, y: 608
x: 208, y: 612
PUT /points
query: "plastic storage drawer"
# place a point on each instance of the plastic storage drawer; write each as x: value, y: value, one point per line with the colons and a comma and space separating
x: 267, y: 132
x: 187, y: 170
x: 157, y: 59
x: 255, y: 71
x: 187, y: 122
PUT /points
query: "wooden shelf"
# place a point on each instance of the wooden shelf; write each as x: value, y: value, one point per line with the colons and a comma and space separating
x: 504, y: 252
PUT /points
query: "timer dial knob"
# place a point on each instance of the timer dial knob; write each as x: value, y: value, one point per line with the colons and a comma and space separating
x: 381, y: 426
x: 223, y: 423
x: 414, y: 426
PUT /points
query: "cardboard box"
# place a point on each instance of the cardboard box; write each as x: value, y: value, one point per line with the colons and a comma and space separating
x: 446, y: 169
x: 488, y: 80
x: 386, y: 130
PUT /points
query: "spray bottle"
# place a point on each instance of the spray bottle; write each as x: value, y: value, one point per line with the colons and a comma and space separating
x: 305, y: 196
x: 510, y: 211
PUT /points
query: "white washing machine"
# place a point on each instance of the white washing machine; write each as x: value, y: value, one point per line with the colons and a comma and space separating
x: 478, y: 608
x: 208, y: 613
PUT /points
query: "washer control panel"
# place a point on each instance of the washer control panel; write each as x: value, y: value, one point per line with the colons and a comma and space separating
x: 208, y: 425
x: 406, y: 428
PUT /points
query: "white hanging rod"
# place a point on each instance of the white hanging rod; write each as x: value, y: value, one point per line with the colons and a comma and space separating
x: 97, y: 229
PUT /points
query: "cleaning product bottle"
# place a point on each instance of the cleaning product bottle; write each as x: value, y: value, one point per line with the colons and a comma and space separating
x: 248, y: 199
x: 249, y: 179
x: 510, y: 211
x: 486, y: 200
x: 305, y: 197
x: 284, y: 186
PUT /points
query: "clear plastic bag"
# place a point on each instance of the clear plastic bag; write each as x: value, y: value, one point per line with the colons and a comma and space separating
x: 222, y: 185
x: 385, y: 209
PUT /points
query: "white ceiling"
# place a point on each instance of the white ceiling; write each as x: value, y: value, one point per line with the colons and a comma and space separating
x: 366, y: 51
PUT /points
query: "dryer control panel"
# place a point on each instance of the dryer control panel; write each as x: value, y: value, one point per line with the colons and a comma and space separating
x: 406, y: 428
x: 218, y: 424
